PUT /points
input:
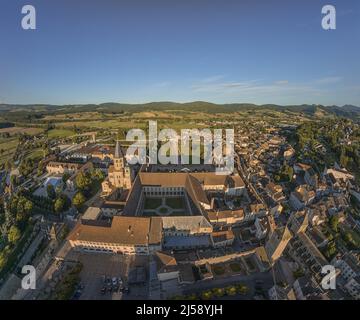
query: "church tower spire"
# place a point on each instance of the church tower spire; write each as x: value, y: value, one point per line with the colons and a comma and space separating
x: 118, y: 157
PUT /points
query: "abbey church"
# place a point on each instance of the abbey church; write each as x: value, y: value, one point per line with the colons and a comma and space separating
x: 118, y: 174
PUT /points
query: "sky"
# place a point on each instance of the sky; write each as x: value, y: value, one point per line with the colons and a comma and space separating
x: 221, y: 51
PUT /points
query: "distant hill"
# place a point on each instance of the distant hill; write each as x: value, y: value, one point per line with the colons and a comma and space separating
x: 11, y: 112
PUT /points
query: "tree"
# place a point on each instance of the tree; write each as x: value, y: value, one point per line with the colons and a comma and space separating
x: 40, y: 168
x: 242, y: 289
x: 230, y: 290
x: 344, y: 160
x: 50, y: 191
x: 206, y: 295
x: 13, y: 180
x: 59, y: 205
x: 8, y: 165
x: 330, y: 250
x: 83, y: 181
x: 62, y: 203
x: 14, y: 234
x: 334, y: 223
x: 218, y: 292
x: 97, y: 174
x: 78, y: 200
x: 65, y: 177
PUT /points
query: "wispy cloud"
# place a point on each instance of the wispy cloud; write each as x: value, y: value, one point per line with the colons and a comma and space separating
x: 252, y: 89
x: 213, y: 78
x: 255, y: 87
x: 161, y: 84
x: 280, y: 82
x: 328, y: 80
x: 220, y: 88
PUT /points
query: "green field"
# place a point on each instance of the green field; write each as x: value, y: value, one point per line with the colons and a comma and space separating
x: 7, y: 148
x: 60, y: 133
x: 35, y: 154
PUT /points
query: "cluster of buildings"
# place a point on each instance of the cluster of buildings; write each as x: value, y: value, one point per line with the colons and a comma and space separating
x: 301, y: 213
x: 165, y: 212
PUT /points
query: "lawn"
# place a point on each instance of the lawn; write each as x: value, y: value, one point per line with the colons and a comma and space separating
x: 250, y: 264
x: 175, y: 203
x: 163, y: 210
x: 218, y: 270
x: 152, y: 203
x: 179, y: 214
x: 235, y: 267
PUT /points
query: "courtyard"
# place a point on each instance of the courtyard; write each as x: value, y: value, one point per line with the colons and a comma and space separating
x: 165, y: 206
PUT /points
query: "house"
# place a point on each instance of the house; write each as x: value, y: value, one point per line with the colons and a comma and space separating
x: 222, y: 238
x: 317, y: 215
x: 167, y: 267
x: 289, y: 152
x: 276, y: 211
x: 305, y: 252
x: 349, y: 266
x: 277, y: 243
x: 124, y: 235
x: 256, y: 209
x: 263, y: 226
x: 235, y: 186
x: 186, y: 273
x: 311, y: 178
x: 186, y: 226
x: 317, y: 237
x: 91, y: 213
x: 186, y: 232
x: 298, y: 222
x: 60, y: 168
x: 353, y: 287
x: 279, y: 293
x: 226, y: 217
x: 308, y: 173
x: 275, y: 191
x: 205, y: 271
x: 339, y: 175
x: 301, y: 197
x: 306, y: 288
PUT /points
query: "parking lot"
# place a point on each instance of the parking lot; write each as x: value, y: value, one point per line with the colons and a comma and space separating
x: 101, y: 274
x: 97, y: 268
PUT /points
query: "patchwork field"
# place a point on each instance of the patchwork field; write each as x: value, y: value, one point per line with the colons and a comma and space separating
x: 15, y: 130
x: 60, y: 133
x: 7, y: 148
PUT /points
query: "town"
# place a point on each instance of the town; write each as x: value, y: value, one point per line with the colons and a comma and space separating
x: 96, y: 226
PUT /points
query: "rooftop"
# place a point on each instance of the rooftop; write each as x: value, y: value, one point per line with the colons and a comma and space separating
x: 123, y: 230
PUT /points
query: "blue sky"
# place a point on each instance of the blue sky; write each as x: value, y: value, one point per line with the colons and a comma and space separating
x: 258, y: 51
